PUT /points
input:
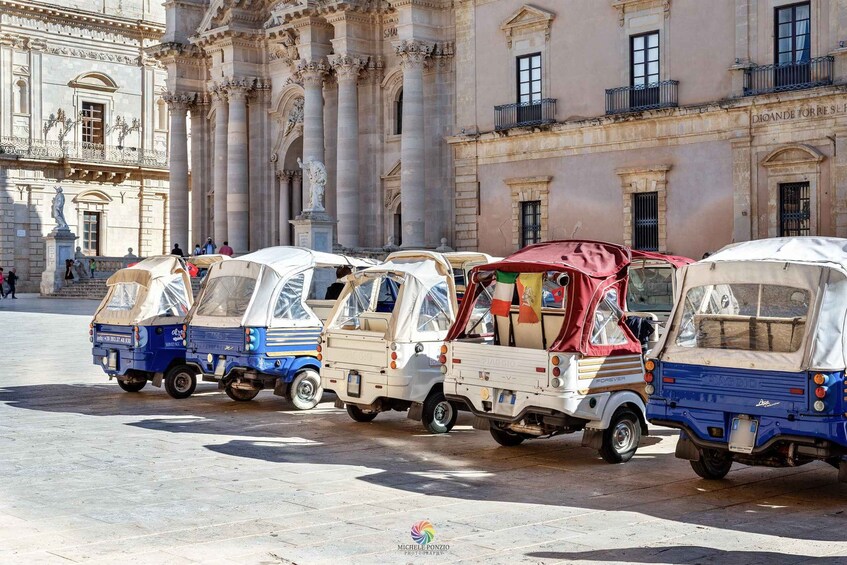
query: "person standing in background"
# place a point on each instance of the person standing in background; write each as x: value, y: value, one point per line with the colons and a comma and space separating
x: 177, y: 251
x: 209, y: 247
x: 197, y: 251
x: 2, y: 280
x: 226, y: 249
x: 12, y: 280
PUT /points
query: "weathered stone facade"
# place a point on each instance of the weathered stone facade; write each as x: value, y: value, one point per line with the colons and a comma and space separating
x: 57, y: 59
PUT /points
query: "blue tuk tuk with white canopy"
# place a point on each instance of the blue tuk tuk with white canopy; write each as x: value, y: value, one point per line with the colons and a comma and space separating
x: 257, y: 321
x: 751, y: 369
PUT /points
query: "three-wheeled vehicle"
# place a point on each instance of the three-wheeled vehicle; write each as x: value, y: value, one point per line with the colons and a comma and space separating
x: 257, y: 321
x: 752, y: 367
x: 540, y: 348
x: 137, y: 331
x: 381, y: 343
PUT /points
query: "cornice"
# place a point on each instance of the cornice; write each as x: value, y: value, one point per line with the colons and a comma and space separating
x: 145, y: 28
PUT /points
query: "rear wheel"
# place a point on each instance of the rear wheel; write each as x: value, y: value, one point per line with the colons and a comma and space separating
x: 241, y: 394
x: 180, y: 382
x: 134, y: 385
x: 305, y: 391
x: 360, y: 415
x: 621, y: 438
x: 505, y: 436
x: 438, y: 414
x: 713, y: 465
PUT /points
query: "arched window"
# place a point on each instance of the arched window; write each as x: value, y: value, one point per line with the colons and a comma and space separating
x: 22, y: 92
x: 161, y: 115
x: 398, y: 113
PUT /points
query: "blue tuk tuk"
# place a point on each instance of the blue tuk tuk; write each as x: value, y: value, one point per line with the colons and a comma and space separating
x: 138, y: 331
x: 751, y: 369
x: 257, y: 321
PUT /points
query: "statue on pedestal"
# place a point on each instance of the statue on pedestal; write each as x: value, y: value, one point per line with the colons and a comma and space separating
x: 57, y: 211
x: 79, y: 265
x: 317, y: 183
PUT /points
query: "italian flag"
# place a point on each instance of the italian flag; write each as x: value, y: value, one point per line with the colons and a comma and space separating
x: 503, y: 291
x: 530, y: 291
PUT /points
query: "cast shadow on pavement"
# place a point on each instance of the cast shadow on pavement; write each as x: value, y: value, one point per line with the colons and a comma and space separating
x: 685, y: 554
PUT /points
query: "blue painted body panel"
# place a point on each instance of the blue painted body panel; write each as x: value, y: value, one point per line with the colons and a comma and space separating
x: 701, y: 397
x: 278, y: 352
x: 163, y: 347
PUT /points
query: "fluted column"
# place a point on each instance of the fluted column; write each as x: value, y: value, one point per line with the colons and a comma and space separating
x: 178, y: 214
x: 312, y: 74
x: 347, y: 71
x: 237, y: 169
x: 412, y: 156
x: 284, y: 180
x: 221, y: 123
x: 199, y: 172
x: 296, y: 193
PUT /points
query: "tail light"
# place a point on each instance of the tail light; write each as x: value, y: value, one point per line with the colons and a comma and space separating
x: 442, y: 359
x: 444, y: 349
x: 648, y: 377
x: 649, y: 365
x: 393, y: 364
x: 822, y: 382
x: 251, y: 339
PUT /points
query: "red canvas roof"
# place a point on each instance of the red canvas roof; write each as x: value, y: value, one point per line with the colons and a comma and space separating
x: 676, y: 260
x: 595, y: 259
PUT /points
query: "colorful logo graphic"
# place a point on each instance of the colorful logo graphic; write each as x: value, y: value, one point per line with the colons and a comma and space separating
x: 423, y: 532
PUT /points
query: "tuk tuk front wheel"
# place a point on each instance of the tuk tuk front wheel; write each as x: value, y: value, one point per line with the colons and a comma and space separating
x: 180, y: 382
x: 132, y: 386
x: 505, y: 436
x: 306, y: 391
x: 360, y: 415
x: 713, y: 465
x: 438, y: 414
x: 621, y: 438
x: 240, y: 394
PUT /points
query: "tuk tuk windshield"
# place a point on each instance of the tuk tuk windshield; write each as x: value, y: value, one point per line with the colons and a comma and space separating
x: 226, y: 296
x: 744, y: 316
x: 368, y: 295
x: 650, y: 288
x: 123, y: 297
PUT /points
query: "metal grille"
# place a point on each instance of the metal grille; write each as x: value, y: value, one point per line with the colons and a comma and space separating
x: 645, y: 221
x: 794, y: 206
x: 530, y: 222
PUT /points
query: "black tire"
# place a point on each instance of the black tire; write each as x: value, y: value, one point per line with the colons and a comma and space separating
x: 439, y: 414
x: 621, y: 438
x: 240, y: 394
x: 180, y: 381
x: 712, y: 465
x: 360, y: 415
x: 132, y: 386
x: 305, y: 391
x: 505, y: 437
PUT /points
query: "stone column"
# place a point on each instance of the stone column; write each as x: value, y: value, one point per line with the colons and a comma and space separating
x: 178, y: 181
x: 237, y: 169
x: 313, y: 74
x: 221, y: 123
x: 284, y: 181
x: 199, y: 173
x: 296, y: 192
x: 347, y: 70
x: 412, y: 187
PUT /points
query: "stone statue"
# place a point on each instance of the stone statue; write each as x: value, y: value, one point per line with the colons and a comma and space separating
x: 295, y: 116
x: 57, y: 211
x: 80, y: 260
x: 130, y: 255
x: 317, y: 183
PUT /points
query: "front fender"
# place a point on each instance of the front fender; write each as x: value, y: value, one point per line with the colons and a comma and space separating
x: 614, y: 402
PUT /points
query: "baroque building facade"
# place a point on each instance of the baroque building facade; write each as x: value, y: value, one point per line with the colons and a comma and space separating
x: 664, y: 124
x: 81, y: 107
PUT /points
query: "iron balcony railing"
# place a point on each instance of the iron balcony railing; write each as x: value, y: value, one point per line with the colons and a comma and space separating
x: 87, y: 152
x: 645, y: 97
x: 524, y: 114
x: 762, y: 79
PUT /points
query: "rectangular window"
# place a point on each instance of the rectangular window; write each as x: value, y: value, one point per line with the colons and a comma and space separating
x: 644, y: 69
x: 92, y: 123
x: 792, y: 49
x: 91, y: 233
x: 530, y: 222
x: 529, y: 88
x: 794, y: 205
x: 645, y: 221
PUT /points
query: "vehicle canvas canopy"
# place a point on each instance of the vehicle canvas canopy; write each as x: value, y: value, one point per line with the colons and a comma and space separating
x: 577, y: 286
x: 409, y: 297
x: 266, y: 288
x: 155, y: 291
x: 206, y: 261
x: 651, y: 281
x: 776, y: 304
x: 462, y: 262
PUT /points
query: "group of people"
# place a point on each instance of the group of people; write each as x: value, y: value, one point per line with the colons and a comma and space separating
x: 207, y: 249
x: 8, y: 280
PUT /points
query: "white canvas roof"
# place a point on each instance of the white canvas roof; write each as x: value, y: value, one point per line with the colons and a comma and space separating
x: 154, y: 291
x: 815, y: 264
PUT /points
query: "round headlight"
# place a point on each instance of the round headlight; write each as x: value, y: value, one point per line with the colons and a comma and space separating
x: 649, y: 389
x: 819, y: 405
x: 209, y: 358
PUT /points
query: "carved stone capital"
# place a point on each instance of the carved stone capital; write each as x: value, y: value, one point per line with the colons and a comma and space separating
x: 413, y: 53
x: 348, y: 67
x: 179, y: 101
x: 237, y: 88
x: 312, y: 73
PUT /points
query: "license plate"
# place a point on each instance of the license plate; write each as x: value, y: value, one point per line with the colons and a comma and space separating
x: 113, y: 359
x: 354, y: 384
x: 742, y: 435
x: 220, y: 368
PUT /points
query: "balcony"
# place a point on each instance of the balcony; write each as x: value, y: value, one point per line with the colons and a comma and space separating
x: 763, y: 79
x: 645, y: 97
x: 525, y: 114
x: 35, y: 149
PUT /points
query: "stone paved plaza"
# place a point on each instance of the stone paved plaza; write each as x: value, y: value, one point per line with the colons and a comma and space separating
x: 89, y: 473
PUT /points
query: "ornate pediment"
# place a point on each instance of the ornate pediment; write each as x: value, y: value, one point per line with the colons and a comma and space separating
x: 94, y: 81
x: 528, y: 19
x: 795, y: 154
x: 624, y: 6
